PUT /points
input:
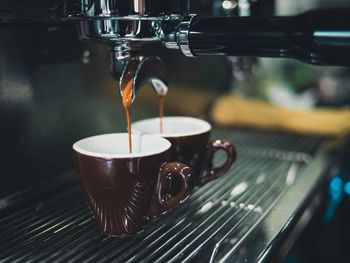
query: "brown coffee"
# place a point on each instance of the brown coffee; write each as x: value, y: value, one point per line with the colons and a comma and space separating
x: 161, y: 112
x: 127, y: 100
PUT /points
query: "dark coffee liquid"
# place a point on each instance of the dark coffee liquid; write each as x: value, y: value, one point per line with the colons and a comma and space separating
x: 161, y: 112
x: 127, y: 100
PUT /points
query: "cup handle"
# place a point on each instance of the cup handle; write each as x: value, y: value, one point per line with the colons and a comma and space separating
x: 209, y: 172
x: 163, y: 200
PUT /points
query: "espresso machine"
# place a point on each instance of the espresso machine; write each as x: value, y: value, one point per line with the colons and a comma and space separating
x: 285, y: 185
x: 318, y: 37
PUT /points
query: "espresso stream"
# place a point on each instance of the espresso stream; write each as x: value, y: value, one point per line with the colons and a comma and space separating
x: 127, y: 100
x: 161, y: 112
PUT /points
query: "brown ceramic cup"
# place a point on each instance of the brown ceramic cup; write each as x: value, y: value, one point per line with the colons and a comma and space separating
x: 125, y: 191
x: 191, y: 144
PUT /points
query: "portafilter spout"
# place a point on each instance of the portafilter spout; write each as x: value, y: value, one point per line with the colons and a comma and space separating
x: 140, y: 70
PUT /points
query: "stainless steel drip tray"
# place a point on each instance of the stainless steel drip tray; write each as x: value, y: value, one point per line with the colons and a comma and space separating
x: 255, y: 201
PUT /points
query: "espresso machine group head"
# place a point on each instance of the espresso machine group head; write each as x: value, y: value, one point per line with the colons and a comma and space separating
x: 319, y: 37
x: 125, y: 26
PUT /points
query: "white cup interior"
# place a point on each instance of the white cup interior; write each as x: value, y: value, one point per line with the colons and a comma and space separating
x: 172, y: 126
x: 116, y: 145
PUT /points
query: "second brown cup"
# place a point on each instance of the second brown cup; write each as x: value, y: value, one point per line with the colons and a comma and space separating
x: 191, y: 144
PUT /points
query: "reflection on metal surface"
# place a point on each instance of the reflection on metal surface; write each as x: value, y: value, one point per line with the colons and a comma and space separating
x: 292, y: 173
x: 261, y: 178
x: 239, y: 189
x: 206, y: 207
x: 246, y: 207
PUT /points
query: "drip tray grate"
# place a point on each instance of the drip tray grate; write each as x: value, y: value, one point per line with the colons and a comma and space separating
x: 52, y: 223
